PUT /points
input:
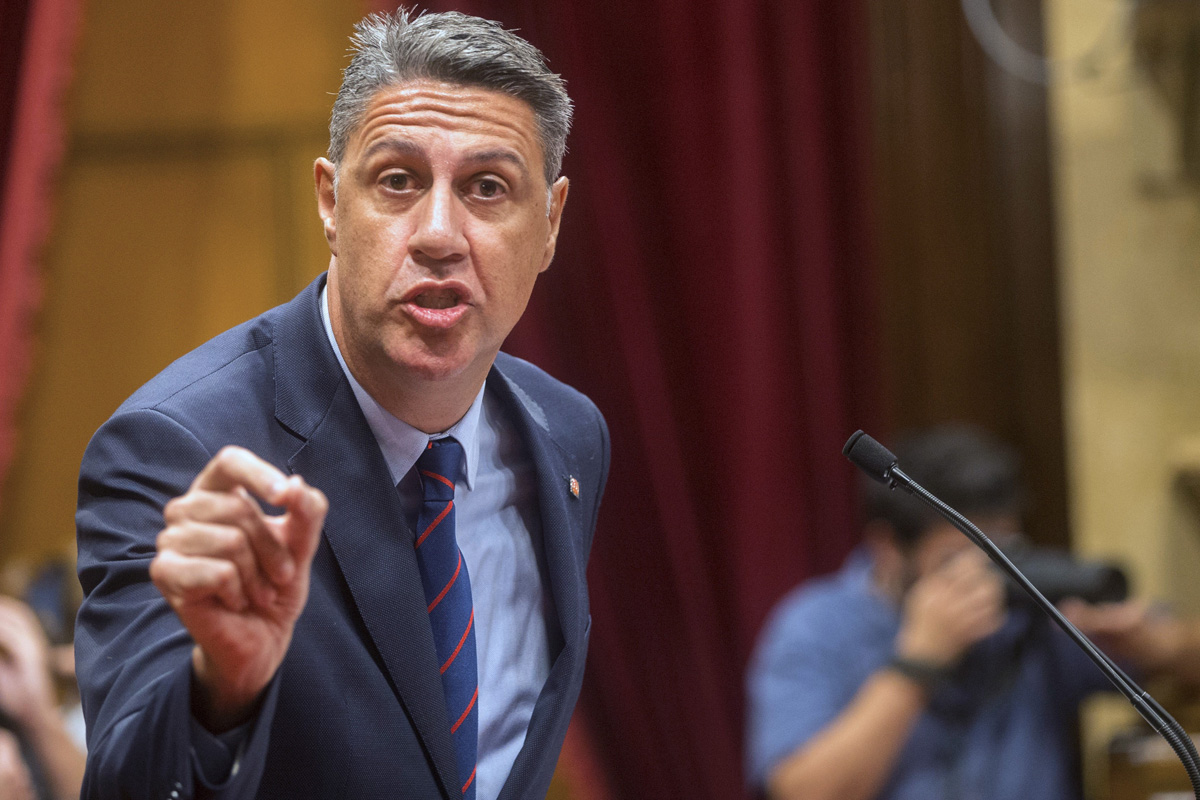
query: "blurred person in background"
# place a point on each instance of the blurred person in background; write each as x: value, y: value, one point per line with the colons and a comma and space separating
x: 41, y: 757
x: 53, y: 593
x: 910, y: 675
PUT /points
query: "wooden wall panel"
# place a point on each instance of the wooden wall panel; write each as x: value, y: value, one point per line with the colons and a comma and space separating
x: 966, y: 244
x: 198, y: 260
x: 185, y: 206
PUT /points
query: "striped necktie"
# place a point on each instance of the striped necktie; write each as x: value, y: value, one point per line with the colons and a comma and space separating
x: 448, y: 595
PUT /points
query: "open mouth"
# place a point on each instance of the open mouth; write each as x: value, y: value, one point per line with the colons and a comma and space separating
x: 437, y: 298
x: 438, y: 305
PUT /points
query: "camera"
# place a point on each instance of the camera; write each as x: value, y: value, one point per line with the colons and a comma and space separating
x: 1058, y: 575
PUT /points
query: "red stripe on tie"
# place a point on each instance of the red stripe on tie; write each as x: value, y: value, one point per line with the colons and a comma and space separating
x: 436, y: 477
x: 469, y: 780
x: 461, y: 642
x: 436, y: 521
x: 470, y: 705
x: 453, y: 578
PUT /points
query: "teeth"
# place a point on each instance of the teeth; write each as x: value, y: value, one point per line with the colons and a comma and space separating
x: 436, y: 299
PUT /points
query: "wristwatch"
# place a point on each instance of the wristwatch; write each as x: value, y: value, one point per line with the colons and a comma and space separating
x: 923, y: 673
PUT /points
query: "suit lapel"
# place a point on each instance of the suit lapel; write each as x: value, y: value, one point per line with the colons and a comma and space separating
x: 364, y: 526
x: 561, y: 513
x: 562, y: 522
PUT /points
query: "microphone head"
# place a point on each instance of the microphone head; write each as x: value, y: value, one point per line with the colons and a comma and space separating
x: 870, y: 456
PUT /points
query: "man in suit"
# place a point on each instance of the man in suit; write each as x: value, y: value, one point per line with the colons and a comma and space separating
x: 260, y: 525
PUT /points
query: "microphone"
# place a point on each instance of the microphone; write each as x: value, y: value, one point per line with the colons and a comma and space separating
x: 882, y: 465
x: 870, y: 456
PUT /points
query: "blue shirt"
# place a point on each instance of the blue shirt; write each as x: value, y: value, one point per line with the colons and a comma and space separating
x: 1002, y: 729
x: 499, y: 530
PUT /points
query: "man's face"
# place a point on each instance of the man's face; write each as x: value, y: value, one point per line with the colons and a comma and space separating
x: 939, y: 545
x: 439, y: 229
x: 942, y: 542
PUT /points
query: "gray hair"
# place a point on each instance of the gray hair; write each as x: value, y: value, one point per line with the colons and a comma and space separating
x: 390, y: 49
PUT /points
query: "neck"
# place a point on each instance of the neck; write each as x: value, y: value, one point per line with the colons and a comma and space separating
x: 429, y: 405
x: 428, y: 408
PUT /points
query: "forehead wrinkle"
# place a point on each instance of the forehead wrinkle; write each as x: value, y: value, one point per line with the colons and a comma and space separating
x: 421, y: 103
x: 448, y: 97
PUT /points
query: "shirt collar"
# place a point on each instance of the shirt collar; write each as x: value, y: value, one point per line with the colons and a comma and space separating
x: 400, y: 442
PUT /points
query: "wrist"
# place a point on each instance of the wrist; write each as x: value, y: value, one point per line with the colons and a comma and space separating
x: 927, y: 675
x: 220, y: 704
x: 926, y: 647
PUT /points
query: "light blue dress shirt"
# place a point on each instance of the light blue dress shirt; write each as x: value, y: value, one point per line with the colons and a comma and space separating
x: 499, y: 532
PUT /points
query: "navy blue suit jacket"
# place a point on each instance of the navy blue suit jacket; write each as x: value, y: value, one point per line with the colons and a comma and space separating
x: 356, y: 710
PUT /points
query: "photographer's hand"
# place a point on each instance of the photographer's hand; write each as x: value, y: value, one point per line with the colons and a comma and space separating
x: 1143, y: 634
x: 949, y: 609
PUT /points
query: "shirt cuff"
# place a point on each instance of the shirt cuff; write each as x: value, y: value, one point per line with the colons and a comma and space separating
x: 216, y: 757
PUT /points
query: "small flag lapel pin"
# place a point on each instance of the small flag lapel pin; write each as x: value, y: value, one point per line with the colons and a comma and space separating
x: 574, y: 484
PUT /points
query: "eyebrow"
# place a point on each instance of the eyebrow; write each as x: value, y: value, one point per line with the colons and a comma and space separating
x: 399, y: 145
x: 405, y: 147
x: 507, y: 156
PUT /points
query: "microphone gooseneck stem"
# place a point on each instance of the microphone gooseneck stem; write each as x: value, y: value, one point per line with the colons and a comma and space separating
x: 1149, y: 709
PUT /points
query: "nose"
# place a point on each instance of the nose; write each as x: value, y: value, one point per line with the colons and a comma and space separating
x: 438, y: 235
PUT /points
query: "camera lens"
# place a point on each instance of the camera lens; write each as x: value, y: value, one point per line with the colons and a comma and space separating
x: 1058, y: 576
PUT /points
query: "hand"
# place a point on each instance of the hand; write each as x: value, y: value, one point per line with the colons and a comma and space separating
x: 15, y: 783
x: 1132, y: 631
x: 27, y: 696
x: 238, y: 577
x: 951, y: 608
x: 26, y: 688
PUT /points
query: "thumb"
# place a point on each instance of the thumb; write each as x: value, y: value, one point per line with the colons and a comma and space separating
x: 300, y: 526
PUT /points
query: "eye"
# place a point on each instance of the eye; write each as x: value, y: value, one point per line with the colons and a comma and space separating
x: 488, y: 187
x: 397, y: 181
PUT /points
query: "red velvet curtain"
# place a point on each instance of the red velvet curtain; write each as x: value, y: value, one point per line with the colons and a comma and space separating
x: 36, y: 43
x: 712, y: 292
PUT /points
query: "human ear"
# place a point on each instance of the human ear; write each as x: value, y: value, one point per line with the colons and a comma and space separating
x: 558, y: 199
x: 325, y: 180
